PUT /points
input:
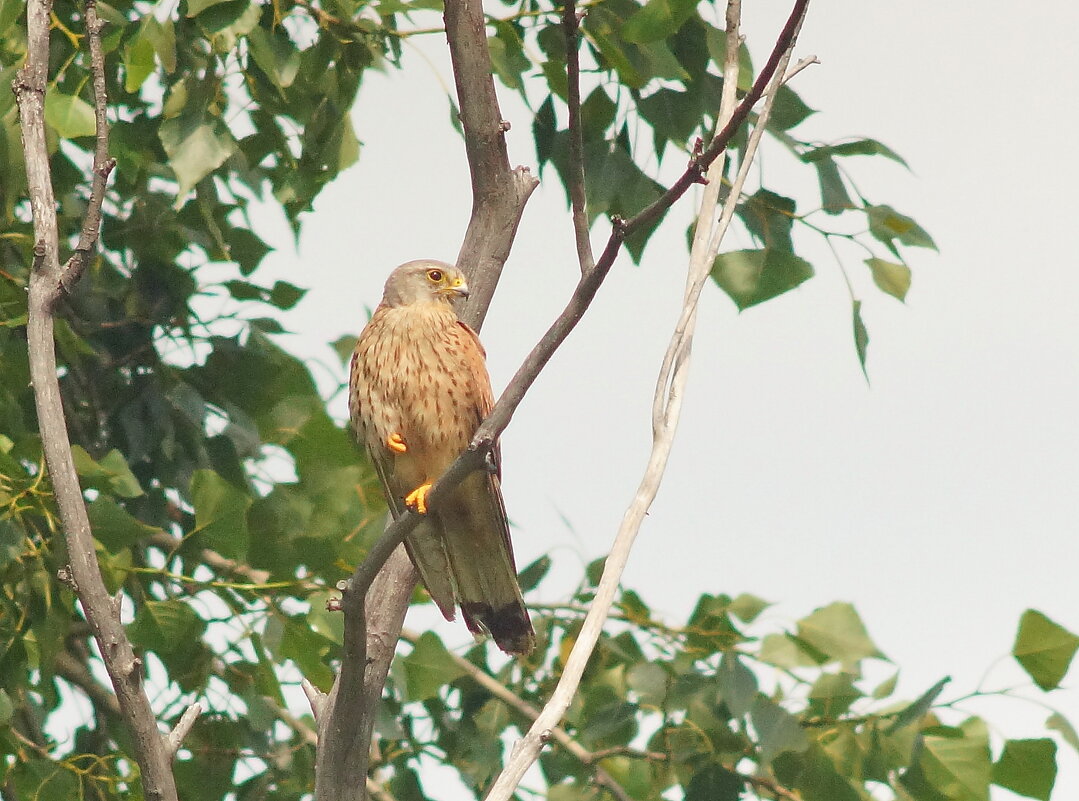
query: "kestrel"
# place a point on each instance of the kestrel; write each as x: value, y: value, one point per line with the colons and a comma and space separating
x: 418, y: 390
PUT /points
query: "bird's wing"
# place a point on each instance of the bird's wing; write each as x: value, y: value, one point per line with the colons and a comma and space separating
x: 475, y: 527
x: 424, y: 544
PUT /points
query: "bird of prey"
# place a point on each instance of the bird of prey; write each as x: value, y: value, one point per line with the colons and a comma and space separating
x: 418, y: 390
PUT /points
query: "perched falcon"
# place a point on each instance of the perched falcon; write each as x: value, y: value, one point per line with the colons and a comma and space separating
x: 418, y: 390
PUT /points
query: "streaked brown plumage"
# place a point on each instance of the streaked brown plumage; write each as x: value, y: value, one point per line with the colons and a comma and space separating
x: 418, y: 389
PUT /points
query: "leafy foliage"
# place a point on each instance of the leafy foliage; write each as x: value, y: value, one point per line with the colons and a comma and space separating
x: 184, y: 427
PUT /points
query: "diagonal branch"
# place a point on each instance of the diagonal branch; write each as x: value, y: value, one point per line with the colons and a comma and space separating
x: 345, y: 706
x: 589, y: 284
x: 666, y: 413
x: 499, y: 193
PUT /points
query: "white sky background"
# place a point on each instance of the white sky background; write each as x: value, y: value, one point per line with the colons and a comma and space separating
x: 941, y: 500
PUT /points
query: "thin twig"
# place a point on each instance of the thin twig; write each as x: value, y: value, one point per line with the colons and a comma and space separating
x: 575, y: 170
x: 103, y: 165
x: 46, y: 283
x: 183, y: 727
x: 808, y: 61
x: 772, y: 786
x: 315, y: 697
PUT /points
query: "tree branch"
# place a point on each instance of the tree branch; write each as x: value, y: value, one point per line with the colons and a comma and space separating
x: 575, y: 171
x: 46, y: 284
x: 499, y: 194
x: 667, y: 405
x: 491, y: 234
x: 103, y: 165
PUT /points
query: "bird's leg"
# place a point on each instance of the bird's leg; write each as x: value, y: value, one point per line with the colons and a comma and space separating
x: 396, y: 443
x: 417, y: 499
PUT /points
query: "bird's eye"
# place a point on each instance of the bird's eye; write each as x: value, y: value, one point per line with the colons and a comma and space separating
x: 434, y: 275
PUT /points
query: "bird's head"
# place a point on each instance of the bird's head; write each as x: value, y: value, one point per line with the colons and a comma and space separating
x: 424, y: 281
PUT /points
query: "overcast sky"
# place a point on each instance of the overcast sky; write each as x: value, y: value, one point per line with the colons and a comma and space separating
x: 941, y: 499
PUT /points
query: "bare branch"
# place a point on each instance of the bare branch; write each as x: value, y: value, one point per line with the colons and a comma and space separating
x: 575, y: 171
x: 499, y: 194
x: 46, y: 283
x: 76, y: 672
x: 808, y: 61
x: 666, y: 414
x: 465, y: 30
x: 103, y: 165
x: 175, y: 738
x: 315, y: 697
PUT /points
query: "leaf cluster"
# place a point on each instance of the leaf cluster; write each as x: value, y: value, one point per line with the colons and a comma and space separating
x: 724, y: 706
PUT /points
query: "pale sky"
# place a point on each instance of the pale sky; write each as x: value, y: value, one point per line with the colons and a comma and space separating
x: 941, y: 499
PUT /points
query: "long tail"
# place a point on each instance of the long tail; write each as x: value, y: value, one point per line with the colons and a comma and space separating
x: 477, y: 541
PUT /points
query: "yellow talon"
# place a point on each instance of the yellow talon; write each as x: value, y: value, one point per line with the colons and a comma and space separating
x: 396, y: 443
x: 417, y: 499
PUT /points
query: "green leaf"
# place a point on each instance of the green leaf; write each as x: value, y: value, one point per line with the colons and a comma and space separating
x: 10, y: 10
x: 861, y: 335
x: 675, y: 116
x: 955, y: 764
x: 837, y: 631
x: 769, y: 217
x: 658, y: 19
x: 1027, y: 767
x: 859, y: 147
x: 649, y: 681
x: 507, y: 54
x: 917, y: 710
x: 785, y: 651
x: 246, y: 249
x: 788, y: 110
x: 113, y: 526
x: 889, y: 226
x: 275, y: 54
x: 714, y: 783
x: 716, y: 39
x: 428, y: 668
x: 832, y: 694
x: 44, y: 780
x: 343, y: 347
x: 777, y: 730
x: 1044, y: 649
x: 533, y: 574
x: 750, y: 277
x: 833, y: 192
x: 285, y: 295
x: 245, y: 290
x: 162, y: 35
x: 7, y: 709
x: 70, y: 116
x: 196, y: 7
x: 748, y: 607
x: 1057, y: 722
x: 890, y: 277
x: 196, y: 146
x: 110, y: 474
x: 138, y: 62
x: 166, y: 626
x: 737, y: 684
x: 602, y: 27
x: 220, y: 513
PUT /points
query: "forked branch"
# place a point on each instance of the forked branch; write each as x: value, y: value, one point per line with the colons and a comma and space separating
x: 48, y: 280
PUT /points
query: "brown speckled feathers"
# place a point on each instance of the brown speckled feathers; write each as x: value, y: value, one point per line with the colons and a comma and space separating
x: 418, y: 374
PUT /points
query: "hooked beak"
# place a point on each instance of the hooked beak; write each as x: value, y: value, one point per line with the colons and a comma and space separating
x: 460, y: 289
